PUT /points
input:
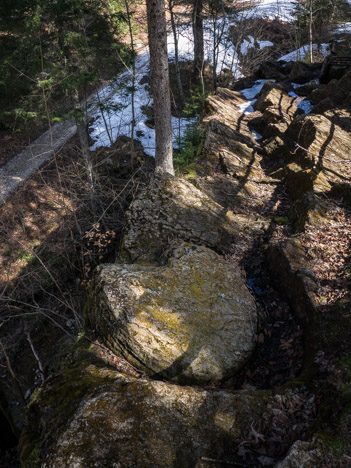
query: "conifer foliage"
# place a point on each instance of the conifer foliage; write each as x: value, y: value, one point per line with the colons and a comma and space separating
x: 63, y: 44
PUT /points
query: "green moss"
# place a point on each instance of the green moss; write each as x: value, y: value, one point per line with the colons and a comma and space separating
x: 331, y: 442
x: 281, y: 220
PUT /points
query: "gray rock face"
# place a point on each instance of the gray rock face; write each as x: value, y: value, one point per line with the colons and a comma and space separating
x: 277, y: 107
x: 172, y: 208
x: 98, y: 417
x: 302, y: 454
x: 322, y: 153
x: 287, y: 260
x: 191, y: 321
x: 316, y: 153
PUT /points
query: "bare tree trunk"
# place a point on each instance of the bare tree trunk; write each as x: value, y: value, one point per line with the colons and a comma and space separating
x: 82, y: 132
x: 176, y: 56
x: 156, y: 18
x: 310, y: 23
x: 198, y: 33
x: 214, y: 70
x: 130, y: 26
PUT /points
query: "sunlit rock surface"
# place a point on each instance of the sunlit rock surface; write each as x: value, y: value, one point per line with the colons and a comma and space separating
x: 172, y: 208
x: 277, y: 107
x: 191, y: 320
x: 92, y: 416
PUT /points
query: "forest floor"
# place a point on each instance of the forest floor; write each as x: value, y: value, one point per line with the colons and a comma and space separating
x: 51, y: 239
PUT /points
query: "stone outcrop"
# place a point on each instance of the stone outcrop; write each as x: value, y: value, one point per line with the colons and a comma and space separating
x: 191, y: 320
x: 302, y: 72
x: 88, y: 415
x: 338, y: 91
x: 176, y: 310
x: 270, y: 69
x: 278, y: 109
x: 229, y: 144
x: 173, y: 208
x: 317, y: 155
x: 287, y: 262
x: 228, y: 167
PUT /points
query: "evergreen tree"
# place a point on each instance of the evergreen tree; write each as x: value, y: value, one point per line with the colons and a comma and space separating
x: 156, y: 19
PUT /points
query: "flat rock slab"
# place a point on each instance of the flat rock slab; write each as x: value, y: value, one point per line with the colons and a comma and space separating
x: 91, y: 416
x: 191, y: 321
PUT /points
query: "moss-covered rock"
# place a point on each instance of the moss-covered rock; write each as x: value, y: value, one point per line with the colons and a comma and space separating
x: 192, y: 320
x: 92, y: 416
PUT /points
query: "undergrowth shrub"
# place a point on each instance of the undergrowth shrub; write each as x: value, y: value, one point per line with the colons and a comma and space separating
x: 184, y: 157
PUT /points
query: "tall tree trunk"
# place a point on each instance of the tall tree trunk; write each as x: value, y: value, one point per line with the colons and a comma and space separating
x: 176, y: 56
x: 82, y: 132
x: 198, y: 33
x: 310, y: 24
x: 156, y: 18
x: 130, y: 26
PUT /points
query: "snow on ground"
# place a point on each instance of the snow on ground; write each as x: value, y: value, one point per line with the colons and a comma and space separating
x: 282, y: 9
x: 250, y: 43
x: 114, y: 119
x: 250, y: 94
x: 303, y: 104
x: 344, y: 28
x: 117, y: 111
x: 302, y: 52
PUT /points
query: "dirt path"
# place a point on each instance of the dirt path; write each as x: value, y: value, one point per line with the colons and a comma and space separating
x: 22, y: 166
x: 28, y: 161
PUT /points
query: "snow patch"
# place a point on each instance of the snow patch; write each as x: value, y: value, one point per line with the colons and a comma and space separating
x: 114, y: 117
x: 303, y: 104
x: 250, y: 94
x: 251, y: 43
x: 302, y: 52
x: 344, y: 28
x: 271, y: 9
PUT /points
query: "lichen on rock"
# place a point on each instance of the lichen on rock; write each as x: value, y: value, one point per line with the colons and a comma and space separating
x: 172, y: 208
x: 192, y: 320
x: 89, y: 415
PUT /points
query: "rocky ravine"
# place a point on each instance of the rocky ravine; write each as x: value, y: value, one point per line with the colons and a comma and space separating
x: 176, y: 307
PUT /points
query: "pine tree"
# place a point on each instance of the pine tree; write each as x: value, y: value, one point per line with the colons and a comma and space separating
x: 160, y: 84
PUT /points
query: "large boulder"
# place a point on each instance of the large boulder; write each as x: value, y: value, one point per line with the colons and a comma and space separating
x: 93, y: 416
x: 192, y: 320
x: 173, y: 208
x: 270, y: 69
x: 278, y: 109
x: 314, y: 156
x: 302, y: 72
x: 323, y: 149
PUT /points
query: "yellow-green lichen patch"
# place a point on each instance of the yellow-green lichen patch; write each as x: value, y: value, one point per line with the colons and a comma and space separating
x: 111, y: 418
x: 191, y: 320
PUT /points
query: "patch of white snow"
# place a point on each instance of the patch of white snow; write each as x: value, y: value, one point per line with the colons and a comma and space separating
x: 344, y: 28
x: 271, y: 9
x: 303, y: 104
x: 302, y: 52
